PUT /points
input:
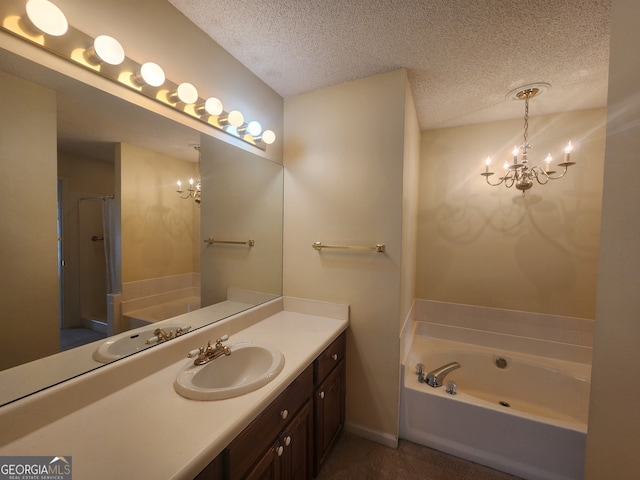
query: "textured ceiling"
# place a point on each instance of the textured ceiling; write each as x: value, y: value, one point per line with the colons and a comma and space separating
x: 462, y: 56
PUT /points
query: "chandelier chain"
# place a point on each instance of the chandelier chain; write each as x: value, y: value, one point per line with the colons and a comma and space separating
x: 526, y: 121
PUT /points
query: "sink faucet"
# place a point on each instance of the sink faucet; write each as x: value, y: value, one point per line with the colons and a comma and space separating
x: 207, y: 354
x: 435, y: 378
x: 160, y: 335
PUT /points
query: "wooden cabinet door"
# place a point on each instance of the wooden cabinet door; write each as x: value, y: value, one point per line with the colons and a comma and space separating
x: 268, y: 468
x: 297, y: 442
x: 250, y: 446
x: 289, y: 458
x: 329, y: 413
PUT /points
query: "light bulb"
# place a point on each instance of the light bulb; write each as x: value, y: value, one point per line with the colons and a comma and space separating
x: 487, y: 162
x: 186, y: 93
x: 235, y: 118
x: 568, y: 148
x: 254, y: 128
x: 106, y: 49
x: 268, y: 137
x: 212, y: 106
x: 567, y: 153
x: 46, y: 17
x: 150, y: 74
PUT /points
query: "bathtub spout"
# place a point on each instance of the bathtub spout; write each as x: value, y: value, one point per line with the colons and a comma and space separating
x: 435, y: 378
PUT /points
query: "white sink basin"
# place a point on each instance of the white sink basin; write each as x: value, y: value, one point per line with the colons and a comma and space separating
x: 127, y: 343
x: 249, y: 367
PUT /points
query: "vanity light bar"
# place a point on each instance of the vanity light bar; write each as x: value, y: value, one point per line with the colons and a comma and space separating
x: 44, y: 18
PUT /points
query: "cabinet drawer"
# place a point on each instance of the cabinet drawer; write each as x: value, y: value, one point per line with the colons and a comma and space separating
x: 330, y: 358
x: 254, y: 440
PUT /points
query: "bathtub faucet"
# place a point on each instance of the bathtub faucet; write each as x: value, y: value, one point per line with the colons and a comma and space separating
x: 435, y: 378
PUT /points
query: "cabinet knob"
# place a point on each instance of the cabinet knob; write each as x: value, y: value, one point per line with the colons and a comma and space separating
x: 280, y: 450
x: 284, y: 414
x: 287, y: 440
x: 321, y: 394
x: 334, y: 356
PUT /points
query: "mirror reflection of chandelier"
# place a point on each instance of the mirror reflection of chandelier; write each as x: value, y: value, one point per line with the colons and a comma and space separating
x: 520, y: 174
x: 194, y: 189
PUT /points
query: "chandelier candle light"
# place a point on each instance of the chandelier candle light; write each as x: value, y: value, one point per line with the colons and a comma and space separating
x: 195, y: 187
x: 520, y: 173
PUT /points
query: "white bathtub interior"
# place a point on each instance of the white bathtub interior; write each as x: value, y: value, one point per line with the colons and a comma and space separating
x: 162, y: 311
x: 541, y: 434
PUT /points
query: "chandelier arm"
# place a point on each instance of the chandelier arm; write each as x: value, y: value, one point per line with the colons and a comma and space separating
x: 540, y: 173
x: 509, y: 180
x: 188, y: 195
x: 502, y: 179
x: 560, y: 175
x: 538, y: 170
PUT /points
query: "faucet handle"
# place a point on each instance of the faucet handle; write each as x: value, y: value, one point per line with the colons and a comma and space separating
x: 195, y: 353
x: 203, y: 352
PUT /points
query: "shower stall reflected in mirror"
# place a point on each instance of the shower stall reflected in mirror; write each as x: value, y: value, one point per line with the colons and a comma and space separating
x: 87, y: 269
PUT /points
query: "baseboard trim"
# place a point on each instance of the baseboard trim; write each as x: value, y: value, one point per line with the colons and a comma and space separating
x: 382, y: 438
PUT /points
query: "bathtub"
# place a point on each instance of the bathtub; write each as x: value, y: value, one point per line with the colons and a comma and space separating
x: 528, y: 418
x: 161, y: 311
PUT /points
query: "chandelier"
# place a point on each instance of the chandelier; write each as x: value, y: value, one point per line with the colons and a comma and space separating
x: 193, y: 191
x: 520, y: 174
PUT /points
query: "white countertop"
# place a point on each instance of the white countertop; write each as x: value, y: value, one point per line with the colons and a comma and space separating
x: 43, y: 372
x: 145, y: 429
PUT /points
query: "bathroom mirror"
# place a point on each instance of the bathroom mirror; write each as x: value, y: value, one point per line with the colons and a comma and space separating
x: 116, y: 166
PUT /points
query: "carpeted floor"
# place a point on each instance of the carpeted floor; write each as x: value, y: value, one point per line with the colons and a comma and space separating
x: 356, y: 458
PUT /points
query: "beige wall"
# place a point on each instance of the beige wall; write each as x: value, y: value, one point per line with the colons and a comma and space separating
x: 410, y: 193
x: 158, y: 227
x: 28, y: 244
x: 242, y: 200
x: 82, y: 177
x: 488, y: 246
x: 614, y: 422
x: 344, y: 153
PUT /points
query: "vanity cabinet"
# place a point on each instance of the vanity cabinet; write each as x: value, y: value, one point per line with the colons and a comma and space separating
x: 292, y: 436
x: 289, y: 458
x: 329, y: 399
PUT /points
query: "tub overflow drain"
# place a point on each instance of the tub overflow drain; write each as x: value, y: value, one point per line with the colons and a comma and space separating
x: 504, y: 404
x: 501, y: 362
